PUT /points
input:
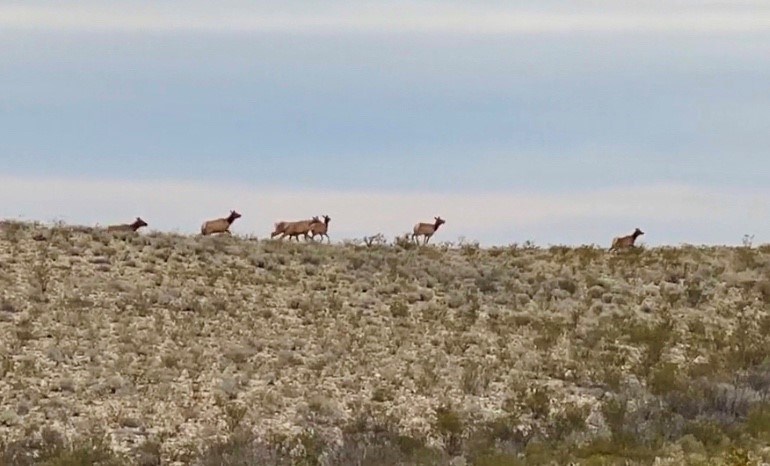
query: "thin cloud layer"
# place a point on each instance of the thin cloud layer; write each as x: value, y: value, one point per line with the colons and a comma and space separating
x: 395, y: 17
x: 492, y: 218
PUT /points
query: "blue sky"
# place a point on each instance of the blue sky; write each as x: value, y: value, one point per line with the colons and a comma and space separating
x: 477, y: 113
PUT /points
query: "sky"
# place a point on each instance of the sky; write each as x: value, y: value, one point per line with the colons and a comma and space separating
x: 558, y: 122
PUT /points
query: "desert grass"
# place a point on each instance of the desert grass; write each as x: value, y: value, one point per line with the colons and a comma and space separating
x: 169, y: 349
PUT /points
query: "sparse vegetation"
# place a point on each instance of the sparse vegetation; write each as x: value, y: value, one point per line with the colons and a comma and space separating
x: 164, y: 349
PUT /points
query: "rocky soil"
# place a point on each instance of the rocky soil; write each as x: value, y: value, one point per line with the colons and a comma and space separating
x: 180, y: 342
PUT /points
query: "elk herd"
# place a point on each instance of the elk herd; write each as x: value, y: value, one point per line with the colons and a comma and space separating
x: 316, y: 226
x: 309, y: 229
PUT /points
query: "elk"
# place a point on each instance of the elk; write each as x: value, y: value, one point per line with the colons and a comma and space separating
x: 138, y: 223
x: 321, y: 229
x: 625, y: 242
x: 219, y: 225
x: 426, y: 229
x: 294, y: 229
x: 279, y: 228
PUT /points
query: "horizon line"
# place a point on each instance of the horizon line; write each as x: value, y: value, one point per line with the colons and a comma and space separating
x: 459, y: 243
x: 577, y: 216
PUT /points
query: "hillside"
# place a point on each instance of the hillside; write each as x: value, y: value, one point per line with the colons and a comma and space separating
x: 223, y: 349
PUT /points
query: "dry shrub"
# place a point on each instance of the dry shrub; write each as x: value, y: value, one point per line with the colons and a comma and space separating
x: 240, y: 449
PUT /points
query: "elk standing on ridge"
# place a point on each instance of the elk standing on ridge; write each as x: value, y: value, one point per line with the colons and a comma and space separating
x: 321, y: 229
x: 220, y: 225
x: 294, y: 229
x: 426, y: 229
x: 625, y: 242
x: 138, y: 223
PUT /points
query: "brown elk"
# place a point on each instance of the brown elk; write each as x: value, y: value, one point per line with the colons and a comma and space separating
x: 625, y: 242
x: 279, y: 228
x: 219, y: 225
x: 321, y: 229
x: 426, y: 229
x: 138, y: 223
x: 294, y: 229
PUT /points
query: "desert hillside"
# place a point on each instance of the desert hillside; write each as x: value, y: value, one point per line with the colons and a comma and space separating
x: 167, y: 349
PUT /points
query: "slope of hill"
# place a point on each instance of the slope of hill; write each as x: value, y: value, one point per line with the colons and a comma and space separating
x: 217, y: 350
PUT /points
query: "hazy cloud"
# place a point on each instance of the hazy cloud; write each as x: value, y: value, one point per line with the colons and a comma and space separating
x: 391, y: 17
